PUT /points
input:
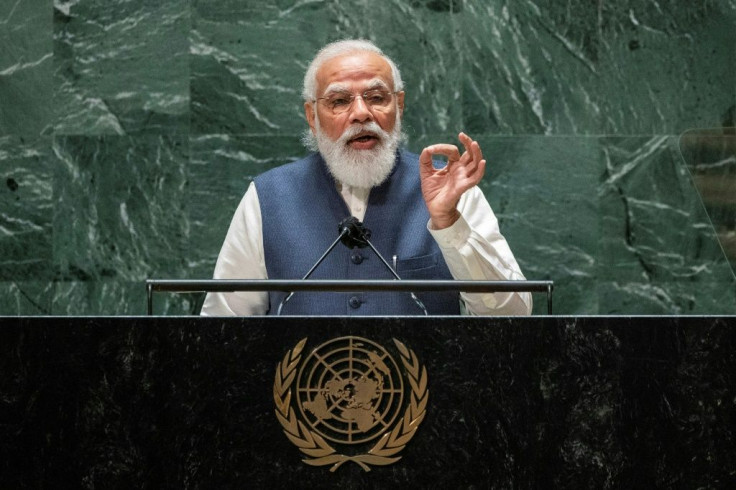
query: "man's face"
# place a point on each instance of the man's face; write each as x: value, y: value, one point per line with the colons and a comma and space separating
x: 354, y: 73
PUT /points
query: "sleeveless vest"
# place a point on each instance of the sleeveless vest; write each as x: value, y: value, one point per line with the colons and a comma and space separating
x: 301, y: 209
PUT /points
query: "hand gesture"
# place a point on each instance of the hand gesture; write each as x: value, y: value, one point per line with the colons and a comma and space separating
x: 443, y: 188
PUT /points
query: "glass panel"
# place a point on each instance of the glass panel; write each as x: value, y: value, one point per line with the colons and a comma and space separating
x: 710, y: 156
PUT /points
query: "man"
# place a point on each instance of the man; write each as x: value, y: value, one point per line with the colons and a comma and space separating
x: 432, y: 223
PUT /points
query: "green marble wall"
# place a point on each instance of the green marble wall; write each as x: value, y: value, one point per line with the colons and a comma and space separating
x: 129, y: 131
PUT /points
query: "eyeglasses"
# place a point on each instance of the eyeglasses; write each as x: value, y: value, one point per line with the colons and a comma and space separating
x: 340, y: 102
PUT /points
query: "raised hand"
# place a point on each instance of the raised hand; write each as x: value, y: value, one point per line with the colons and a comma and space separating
x: 442, y: 188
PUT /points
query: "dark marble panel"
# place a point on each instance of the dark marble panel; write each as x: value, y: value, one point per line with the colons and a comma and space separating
x: 666, y: 297
x: 119, y: 208
x: 25, y: 67
x: 121, y: 67
x: 528, y: 67
x: 247, y: 62
x: 221, y: 169
x: 249, y: 59
x: 594, y: 402
x: 25, y: 208
x: 26, y: 297
x: 669, y: 66
x: 543, y: 191
x: 654, y: 229
x: 586, y: 67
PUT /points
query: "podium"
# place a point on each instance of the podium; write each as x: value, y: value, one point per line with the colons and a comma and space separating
x: 189, y: 402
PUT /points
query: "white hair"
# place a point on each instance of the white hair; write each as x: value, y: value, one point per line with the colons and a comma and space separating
x: 339, y: 48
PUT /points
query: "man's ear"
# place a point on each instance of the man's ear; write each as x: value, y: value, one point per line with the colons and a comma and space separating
x: 309, y: 112
x: 400, y: 101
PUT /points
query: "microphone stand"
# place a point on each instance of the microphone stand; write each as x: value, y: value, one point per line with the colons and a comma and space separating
x: 343, y: 233
x: 413, y: 296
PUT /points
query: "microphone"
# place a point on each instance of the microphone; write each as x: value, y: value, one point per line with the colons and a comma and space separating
x: 352, y: 234
x: 355, y: 234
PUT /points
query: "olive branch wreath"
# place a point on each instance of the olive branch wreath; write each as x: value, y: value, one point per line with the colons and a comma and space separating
x: 319, y: 452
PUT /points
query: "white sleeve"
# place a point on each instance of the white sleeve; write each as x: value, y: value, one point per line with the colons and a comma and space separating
x: 474, y: 249
x: 241, y: 257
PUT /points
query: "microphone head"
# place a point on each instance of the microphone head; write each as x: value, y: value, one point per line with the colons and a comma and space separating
x: 353, y: 233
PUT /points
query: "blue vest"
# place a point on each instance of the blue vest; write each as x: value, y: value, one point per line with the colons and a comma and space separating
x: 301, y: 209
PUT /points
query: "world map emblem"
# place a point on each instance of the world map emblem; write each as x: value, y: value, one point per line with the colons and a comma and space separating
x: 348, y: 400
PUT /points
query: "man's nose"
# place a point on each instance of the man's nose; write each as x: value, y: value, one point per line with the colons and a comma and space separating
x: 359, y: 111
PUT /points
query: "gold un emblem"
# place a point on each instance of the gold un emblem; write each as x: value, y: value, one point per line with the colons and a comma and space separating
x: 349, y: 397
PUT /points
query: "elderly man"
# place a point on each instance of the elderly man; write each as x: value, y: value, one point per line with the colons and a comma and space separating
x: 433, y: 223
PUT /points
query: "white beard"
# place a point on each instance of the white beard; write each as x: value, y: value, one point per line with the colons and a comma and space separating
x: 360, y: 168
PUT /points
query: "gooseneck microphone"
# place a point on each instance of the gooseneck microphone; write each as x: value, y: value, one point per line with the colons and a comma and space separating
x: 352, y: 234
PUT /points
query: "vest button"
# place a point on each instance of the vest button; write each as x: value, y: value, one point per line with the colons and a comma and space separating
x: 355, y: 302
x: 356, y: 258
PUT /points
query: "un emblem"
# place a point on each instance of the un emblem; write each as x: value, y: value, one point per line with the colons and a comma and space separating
x: 350, y: 391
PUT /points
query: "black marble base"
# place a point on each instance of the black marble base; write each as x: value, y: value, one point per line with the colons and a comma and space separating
x: 540, y: 402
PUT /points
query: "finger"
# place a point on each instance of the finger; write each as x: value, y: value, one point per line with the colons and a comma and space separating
x: 480, y: 171
x: 471, y: 146
x: 474, y: 177
x: 450, y: 151
x: 469, y: 161
x: 425, y: 163
x: 477, y: 153
x: 468, y: 155
x: 470, y: 166
x: 466, y: 140
x: 425, y: 158
x: 471, y: 179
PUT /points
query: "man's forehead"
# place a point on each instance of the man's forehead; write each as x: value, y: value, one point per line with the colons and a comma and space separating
x: 359, y: 66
